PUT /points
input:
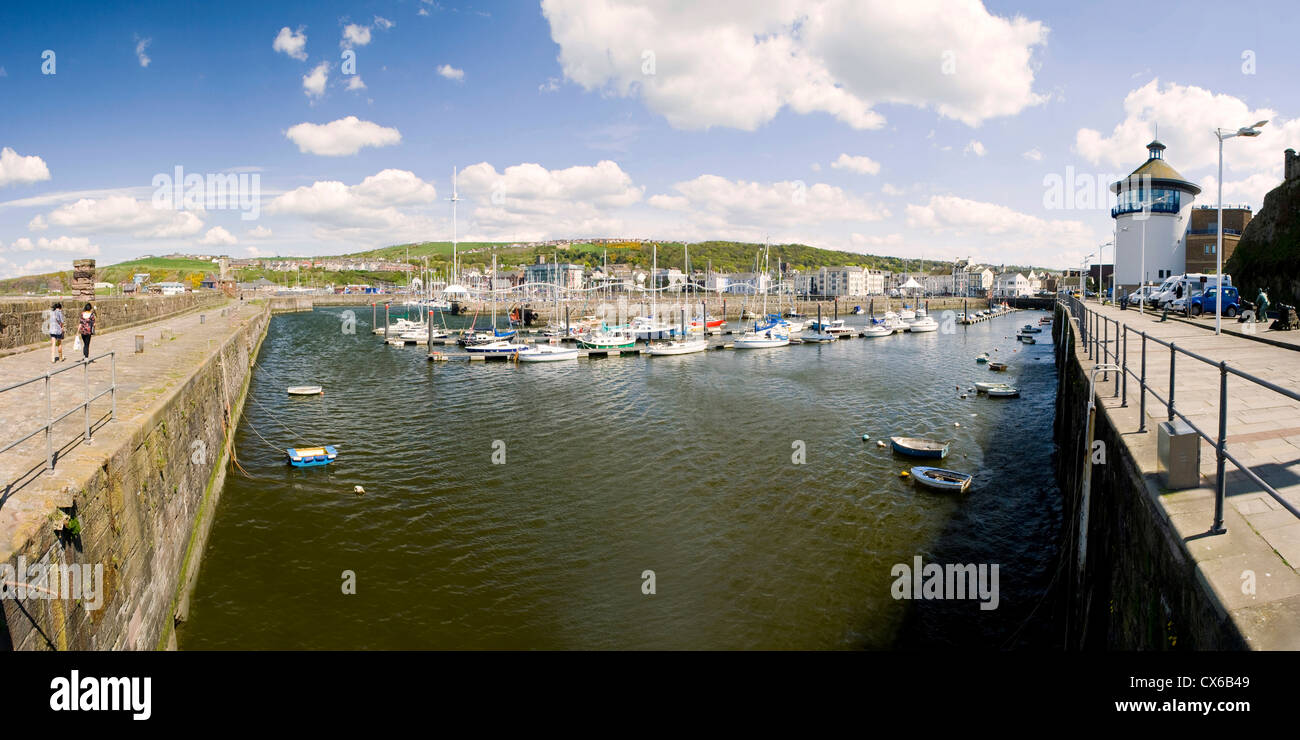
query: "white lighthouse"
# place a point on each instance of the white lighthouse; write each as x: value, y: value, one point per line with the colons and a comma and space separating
x: 1151, y: 218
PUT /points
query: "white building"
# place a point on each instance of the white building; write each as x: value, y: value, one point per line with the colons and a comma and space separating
x: 1011, y: 285
x: 1152, y: 214
x: 875, y: 282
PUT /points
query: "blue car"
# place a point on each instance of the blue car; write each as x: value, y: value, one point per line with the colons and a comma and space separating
x: 1204, y: 303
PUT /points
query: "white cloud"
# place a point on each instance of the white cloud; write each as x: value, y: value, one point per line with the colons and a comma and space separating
x: 888, y: 189
x: 975, y: 147
x: 217, y: 236
x: 551, y: 85
x: 72, y: 244
x: 1187, y: 117
x: 252, y: 251
x: 890, y: 240
x: 292, y: 43
x: 126, y: 215
x: 528, y: 200
x: 259, y: 232
x: 738, y: 64
x: 368, y: 210
x: 313, y: 83
x: 860, y: 165
x: 355, y: 35
x: 383, y: 23
x: 1033, y: 155
x: 451, y: 73
x: 342, y: 137
x: 37, y: 223
x: 1017, y: 236
x: 140, y: 46
x: 710, y: 206
x: 1248, y: 190
x: 16, y: 169
x: 355, y: 83
x: 32, y: 267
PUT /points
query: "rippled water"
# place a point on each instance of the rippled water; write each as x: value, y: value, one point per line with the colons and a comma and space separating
x: 680, y: 465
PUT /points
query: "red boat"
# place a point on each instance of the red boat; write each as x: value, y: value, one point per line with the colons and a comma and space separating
x: 710, y: 324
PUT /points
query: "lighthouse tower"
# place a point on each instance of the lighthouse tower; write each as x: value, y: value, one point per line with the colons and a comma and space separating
x: 1152, y: 209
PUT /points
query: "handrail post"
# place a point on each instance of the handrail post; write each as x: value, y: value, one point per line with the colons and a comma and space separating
x: 113, y: 388
x: 1087, y: 335
x: 1173, y: 354
x: 1142, y: 388
x: 1221, y: 483
x: 1105, y: 345
x: 85, y: 374
x: 1123, y: 373
x: 49, y: 423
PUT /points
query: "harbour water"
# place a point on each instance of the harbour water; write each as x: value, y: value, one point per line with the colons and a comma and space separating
x: 685, y: 466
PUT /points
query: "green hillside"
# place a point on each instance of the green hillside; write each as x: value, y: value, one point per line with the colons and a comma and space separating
x: 722, y: 256
x: 160, y: 269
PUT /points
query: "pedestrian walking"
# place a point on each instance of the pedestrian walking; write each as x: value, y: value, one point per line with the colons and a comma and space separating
x: 56, y: 333
x: 86, y: 328
x: 1261, y: 301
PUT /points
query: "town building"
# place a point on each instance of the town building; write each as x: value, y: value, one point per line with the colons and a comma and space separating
x: 1203, y: 235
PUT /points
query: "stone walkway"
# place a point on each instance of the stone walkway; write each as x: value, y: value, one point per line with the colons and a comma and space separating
x: 1263, y: 432
x: 173, y: 346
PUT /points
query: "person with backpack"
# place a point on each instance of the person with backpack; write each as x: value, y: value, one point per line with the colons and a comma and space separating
x: 56, y: 333
x: 86, y: 328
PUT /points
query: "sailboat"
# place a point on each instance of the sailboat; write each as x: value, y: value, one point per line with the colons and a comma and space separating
x: 771, y: 334
x: 608, y: 338
x: 649, y: 327
x: 683, y: 346
x: 547, y: 353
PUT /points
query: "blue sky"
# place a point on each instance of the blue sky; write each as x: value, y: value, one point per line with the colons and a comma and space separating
x: 928, y: 130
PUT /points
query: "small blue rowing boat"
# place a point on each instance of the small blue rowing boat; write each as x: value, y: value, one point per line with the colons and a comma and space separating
x: 918, y: 447
x: 310, y: 457
x: 942, y: 480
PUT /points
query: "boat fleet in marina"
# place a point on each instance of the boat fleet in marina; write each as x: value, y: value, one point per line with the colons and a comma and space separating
x: 659, y: 337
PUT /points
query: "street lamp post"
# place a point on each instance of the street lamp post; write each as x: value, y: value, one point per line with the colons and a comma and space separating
x: 1101, y: 261
x: 1114, y: 268
x: 1218, y: 249
x: 1083, y: 290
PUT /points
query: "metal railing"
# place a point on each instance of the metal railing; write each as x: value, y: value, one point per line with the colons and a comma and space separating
x: 1106, y: 340
x: 84, y: 406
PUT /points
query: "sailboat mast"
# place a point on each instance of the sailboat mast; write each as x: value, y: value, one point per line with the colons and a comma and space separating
x: 454, y: 198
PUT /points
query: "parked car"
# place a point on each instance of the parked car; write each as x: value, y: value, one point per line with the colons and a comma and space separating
x: 1204, y: 303
x: 1141, y: 294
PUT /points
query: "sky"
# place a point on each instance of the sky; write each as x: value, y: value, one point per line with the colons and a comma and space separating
x: 927, y: 129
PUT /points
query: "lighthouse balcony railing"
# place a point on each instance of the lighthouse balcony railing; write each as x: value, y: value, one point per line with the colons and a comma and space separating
x: 1137, y: 207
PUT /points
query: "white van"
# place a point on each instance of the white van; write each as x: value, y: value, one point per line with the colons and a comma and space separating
x: 1191, y: 284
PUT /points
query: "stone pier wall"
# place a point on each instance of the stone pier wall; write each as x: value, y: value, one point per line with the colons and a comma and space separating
x: 144, y: 514
x: 22, y: 321
x: 1139, y: 588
